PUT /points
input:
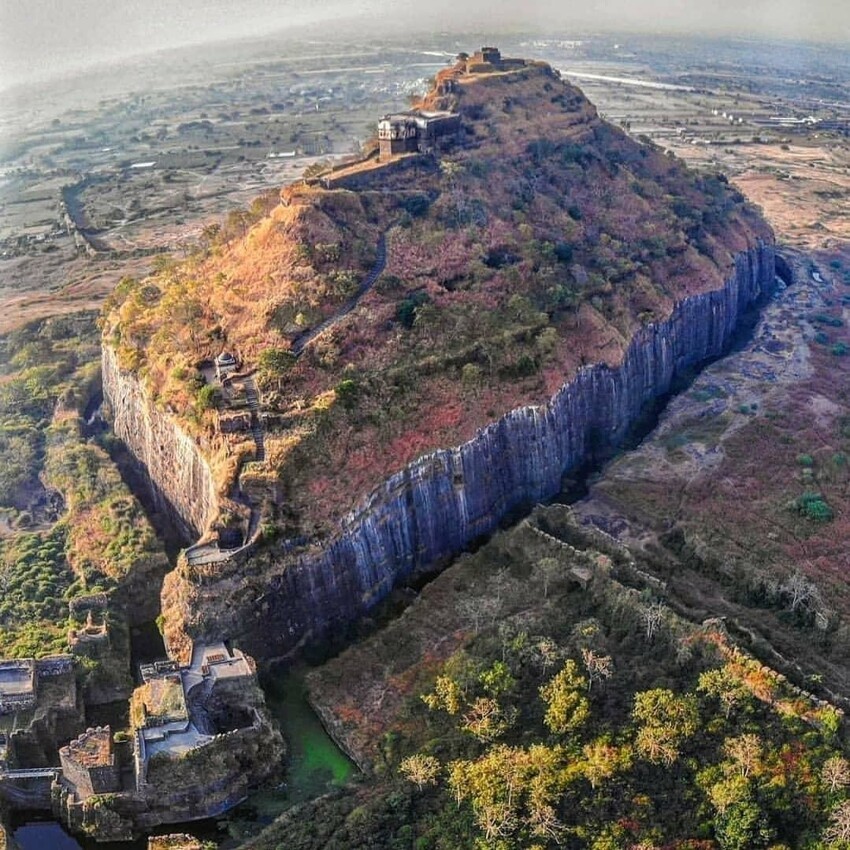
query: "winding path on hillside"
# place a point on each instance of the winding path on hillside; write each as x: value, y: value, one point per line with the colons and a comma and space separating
x: 252, y: 394
x: 209, y: 552
x: 304, y: 339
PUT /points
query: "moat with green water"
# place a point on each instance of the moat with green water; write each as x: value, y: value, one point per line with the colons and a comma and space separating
x: 314, y: 765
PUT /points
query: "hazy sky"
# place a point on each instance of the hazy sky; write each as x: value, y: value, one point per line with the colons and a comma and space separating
x: 40, y: 38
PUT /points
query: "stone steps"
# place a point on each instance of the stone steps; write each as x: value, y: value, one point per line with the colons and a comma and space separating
x: 301, y: 342
x: 259, y: 443
x: 252, y: 398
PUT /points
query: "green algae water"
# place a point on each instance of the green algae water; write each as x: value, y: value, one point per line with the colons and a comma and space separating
x: 314, y: 763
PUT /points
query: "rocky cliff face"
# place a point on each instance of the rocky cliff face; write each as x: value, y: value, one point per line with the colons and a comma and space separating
x: 439, y: 504
x: 174, y: 471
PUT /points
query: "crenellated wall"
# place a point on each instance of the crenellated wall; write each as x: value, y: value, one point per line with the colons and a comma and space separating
x: 432, y: 509
x: 178, y: 477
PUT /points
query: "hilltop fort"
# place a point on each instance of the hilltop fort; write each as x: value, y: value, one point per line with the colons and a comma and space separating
x: 426, y: 339
x: 424, y: 131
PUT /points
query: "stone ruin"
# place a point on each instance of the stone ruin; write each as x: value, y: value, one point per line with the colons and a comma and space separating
x: 89, y: 764
x: 92, y: 638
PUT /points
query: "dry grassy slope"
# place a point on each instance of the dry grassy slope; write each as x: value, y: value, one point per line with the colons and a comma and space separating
x: 549, y: 236
x: 729, y: 463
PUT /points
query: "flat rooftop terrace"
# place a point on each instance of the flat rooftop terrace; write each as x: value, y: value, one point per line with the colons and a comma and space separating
x: 219, y: 662
x: 16, y: 679
x: 174, y: 739
x: 93, y: 748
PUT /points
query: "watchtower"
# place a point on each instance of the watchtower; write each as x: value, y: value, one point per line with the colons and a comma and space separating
x: 89, y: 765
x: 397, y: 134
x: 489, y: 60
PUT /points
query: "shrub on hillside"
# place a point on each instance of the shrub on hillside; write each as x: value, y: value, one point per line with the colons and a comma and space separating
x: 416, y: 205
x: 406, y: 311
x: 206, y: 398
x: 813, y: 506
x: 347, y: 392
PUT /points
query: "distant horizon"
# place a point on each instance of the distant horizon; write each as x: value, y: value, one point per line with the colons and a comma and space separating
x: 35, y: 49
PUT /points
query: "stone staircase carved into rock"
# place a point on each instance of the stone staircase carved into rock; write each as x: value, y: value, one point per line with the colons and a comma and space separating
x: 304, y: 339
x: 207, y: 554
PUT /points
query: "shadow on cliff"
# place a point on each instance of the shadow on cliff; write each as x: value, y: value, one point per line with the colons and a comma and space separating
x: 450, y: 501
x: 575, y: 485
x: 161, y: 512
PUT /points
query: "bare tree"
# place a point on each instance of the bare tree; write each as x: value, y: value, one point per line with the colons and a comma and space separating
x: 500, y: 582
x: 545, y: 824
x: 836, y: 773
x: 550, y: 569
x: 547, y: 653
x: 507, y: 637
x: 653, y: 616
x: 478, y: 610
x: 838, y: 830
x: 746, y: 752
x: 799, y: 590
x: 485, y: 719
x: 420, y: 769
x: 599, y: 667
x: 496, y: 821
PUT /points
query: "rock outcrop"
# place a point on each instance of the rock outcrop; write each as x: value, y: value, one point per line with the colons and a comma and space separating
x: 175, y: 472
x: 436, y: 506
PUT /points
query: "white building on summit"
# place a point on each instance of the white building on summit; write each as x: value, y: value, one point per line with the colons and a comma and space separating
x: 225, y: 363
x: 416, y: 130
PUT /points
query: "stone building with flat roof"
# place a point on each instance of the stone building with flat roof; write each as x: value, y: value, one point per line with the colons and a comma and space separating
x: 17, y: 685
x: 415, y: 131
x: 490, y: 59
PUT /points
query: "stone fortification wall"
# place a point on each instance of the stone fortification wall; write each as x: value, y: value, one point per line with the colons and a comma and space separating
x: 89, y: 774
x: 54, y: 665
x: 368, y: 177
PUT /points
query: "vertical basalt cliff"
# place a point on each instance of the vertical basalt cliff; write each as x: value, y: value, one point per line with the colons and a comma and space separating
x: 172, y: 469
x: 439, y: 504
